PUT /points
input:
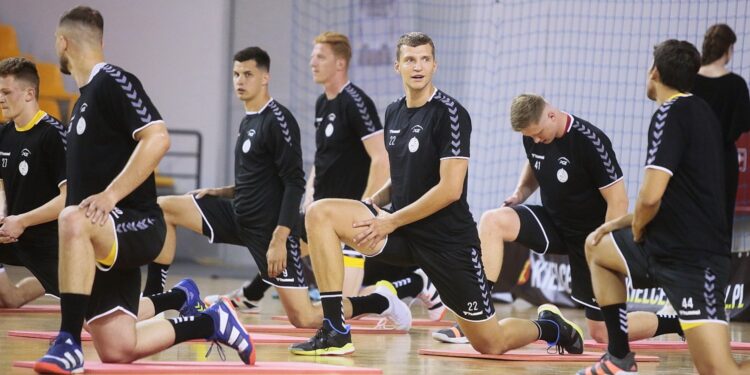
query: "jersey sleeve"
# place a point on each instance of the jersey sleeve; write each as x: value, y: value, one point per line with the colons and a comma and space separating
x: 53, y: 144
x: 362, y: 116
x: 599, y: 159
x: 130, y: 101
x: 666, y: 140
x: 284, y: 140
x: 453, y: 131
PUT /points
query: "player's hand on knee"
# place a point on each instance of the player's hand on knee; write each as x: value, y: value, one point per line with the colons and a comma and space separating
x: 12, y: 228
x: 374, y: 230
x: 98, y: 207
x: 200, y: 193
x: 513, y: 199
x: 597, y: 235
x: 276, y: 256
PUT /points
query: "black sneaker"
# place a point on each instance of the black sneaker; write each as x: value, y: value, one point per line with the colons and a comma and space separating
x: 327, y: 341
x: 570, y: 336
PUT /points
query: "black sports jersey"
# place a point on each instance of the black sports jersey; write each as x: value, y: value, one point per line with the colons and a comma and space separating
x: 268, y: 175
x: 684, y: 140
x: 729, y: 98
x: 417, y: 139
x: 570, y: 171
x: 342, y: 164
x: 112, y: 108
x: 32, y: 167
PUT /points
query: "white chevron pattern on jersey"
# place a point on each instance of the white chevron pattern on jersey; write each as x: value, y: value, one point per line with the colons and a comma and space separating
x: 361, y: 108
x: 455, y: 127
x: 130, y: 92
x: 282, y: 121
x: 599, y: 146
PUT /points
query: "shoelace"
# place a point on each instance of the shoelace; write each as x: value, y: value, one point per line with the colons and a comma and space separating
x: 383, y: 324
x: 219, y: 349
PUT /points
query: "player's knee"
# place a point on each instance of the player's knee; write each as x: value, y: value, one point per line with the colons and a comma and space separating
x: 487, y: 345
x: 710, y: 367
x: 72, y: 222
x: 591, y: 250
x: 317, y: 212
x: 116, y: 354
x: 598, y: 332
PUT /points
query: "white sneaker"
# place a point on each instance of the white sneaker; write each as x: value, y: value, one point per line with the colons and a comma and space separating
x: 430, y: 297
x: 397, y: 312
x: 239, y: 302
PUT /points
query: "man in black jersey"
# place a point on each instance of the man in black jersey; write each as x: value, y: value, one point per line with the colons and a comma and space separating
x: 573, y: 165
x: 427, y: 135
x: 112, y: 224
x: 260, y: 209
x: 32, y: 168
x: 350, y: 162
x: 676, y: 239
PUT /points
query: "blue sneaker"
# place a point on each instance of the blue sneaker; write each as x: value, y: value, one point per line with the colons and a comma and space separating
x: 63, y: 357
x: 193, y: 303
x: 229, y: 330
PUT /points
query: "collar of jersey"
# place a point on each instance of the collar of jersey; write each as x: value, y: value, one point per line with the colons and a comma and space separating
x: 678, y: 95
x: 95, y: 70
x: 34, y: 120
x: 344, y: 86
x: 570, y: 124
x: 261, y: 108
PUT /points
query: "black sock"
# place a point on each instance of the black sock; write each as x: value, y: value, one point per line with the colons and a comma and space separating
x: 549, y: 331
x: 333, y: 309
x: 155, y: 278
x: 370, y: 304
x: 409, y: 286
x: 172, y: 299
x: 616, y: 319
x: 255, y: 290
x: 668, y: 324
x: 73, y: 307
x: 186, y: 328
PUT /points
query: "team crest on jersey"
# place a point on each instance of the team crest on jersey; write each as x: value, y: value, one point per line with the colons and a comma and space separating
x: 251, y: 133
x: 416, y: 129
x: 81, y: 125
x: 331, y: 117
x: 246, y: 146
x: 413, y: 144
x: 562, y: 174
x: 23, y: 167
x: 329, y: 129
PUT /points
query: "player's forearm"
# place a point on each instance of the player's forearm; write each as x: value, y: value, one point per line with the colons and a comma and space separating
x: 383, y: 196
x: 281, y: 233
x: 225, y: 191
x: 435, y: 199
x: 645, y: 211
x: 142, y: 163
x: 620, y: 222
x: 46, y: 212
x: 527, y: 183
x: 379, y: 174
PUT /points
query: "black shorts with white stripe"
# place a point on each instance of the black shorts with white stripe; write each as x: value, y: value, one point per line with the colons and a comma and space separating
x: 694, y: 285
x: 539, y: 233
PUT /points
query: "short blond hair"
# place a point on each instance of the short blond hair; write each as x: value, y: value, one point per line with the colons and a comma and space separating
x: 339, y: 44
x: 525, y: 110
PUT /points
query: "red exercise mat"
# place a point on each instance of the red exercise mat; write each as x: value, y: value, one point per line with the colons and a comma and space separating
x: 31, y: 309
x: 526, y: 355
x: 288, y: 328
x: 236, y: 367
x: 662, y: 345
x: 258, y: 338
x: 370, y: 321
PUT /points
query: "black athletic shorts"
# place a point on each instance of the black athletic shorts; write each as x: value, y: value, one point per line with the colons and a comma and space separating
x: 376, y: 270
x: 220, y: 225
x: 39, y: 257
x: 139, y: 238
x: 695, y: 286
x: 458, y: 274
x: 539, y: 233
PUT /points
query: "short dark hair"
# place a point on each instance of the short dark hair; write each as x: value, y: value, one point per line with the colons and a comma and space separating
x: 678, y: 62
x: 414, y: 39
x: 22, y: 69
x: 717, y: 41
x: 257, y: 54
x: 84, y: 15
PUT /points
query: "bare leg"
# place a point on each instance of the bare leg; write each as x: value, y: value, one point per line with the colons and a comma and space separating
x: 495, y: 228
x: 13, y: 296
x: 709, y: 347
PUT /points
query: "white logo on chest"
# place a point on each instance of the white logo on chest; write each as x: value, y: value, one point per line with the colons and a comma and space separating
x: 81, y: 126
x: 562, y: 175
x: 23, y: 167
x: 329, y: 130
x: 413, y: 144
x: 246, y: 146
